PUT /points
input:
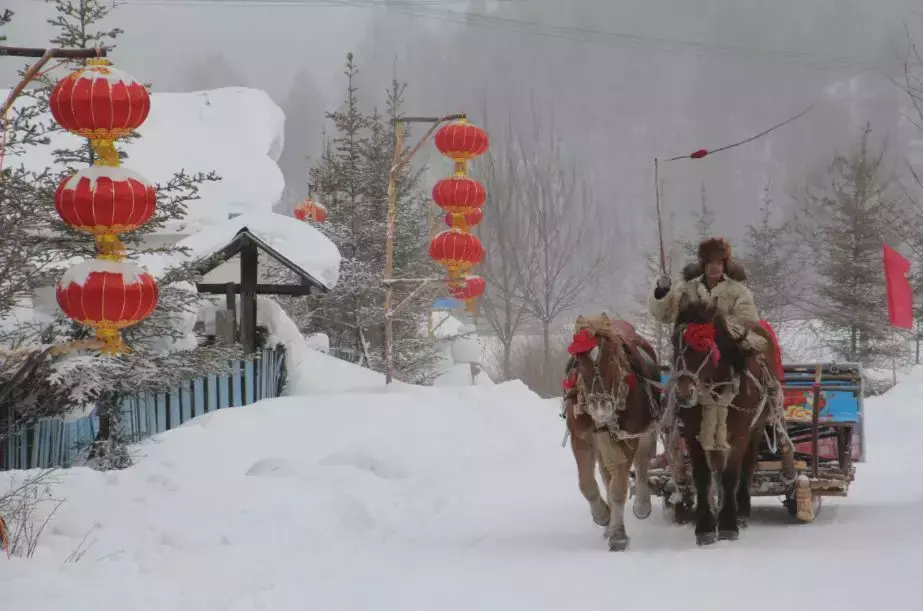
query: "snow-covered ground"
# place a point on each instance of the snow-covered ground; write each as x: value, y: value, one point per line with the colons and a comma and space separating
x: 450, y: 498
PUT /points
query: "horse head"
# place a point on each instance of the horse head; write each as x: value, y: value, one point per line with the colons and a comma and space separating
x: 601, y: 358
x: 705, y: 354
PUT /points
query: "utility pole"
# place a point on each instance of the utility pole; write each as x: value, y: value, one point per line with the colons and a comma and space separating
x: 401, y: 159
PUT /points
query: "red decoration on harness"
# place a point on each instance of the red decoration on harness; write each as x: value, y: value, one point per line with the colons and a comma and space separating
x: 570, y: 381
x: 632, y: 380
x: 701, y: 338
x: 698, y: 154
x: 779, y: 371
x: 583, y: 342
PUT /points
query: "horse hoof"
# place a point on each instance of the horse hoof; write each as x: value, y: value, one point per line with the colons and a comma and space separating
x: 728, y: 535
x: 600, y: 514
x: 618, y: 543
x: 705, y: 539
x: 742, y: 523
x: 642, y: 510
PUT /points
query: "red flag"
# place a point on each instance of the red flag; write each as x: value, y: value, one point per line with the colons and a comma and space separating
x: 900, y: 300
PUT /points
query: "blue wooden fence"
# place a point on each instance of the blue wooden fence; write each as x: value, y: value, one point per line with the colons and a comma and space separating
x: 55, y: 442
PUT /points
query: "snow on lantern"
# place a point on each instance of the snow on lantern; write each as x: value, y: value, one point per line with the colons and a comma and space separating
x: 108, y: 296
x: 102, y: 103
x: 461, y: 141
x: 311, y: 210
x: 104, y: 201
x: 456, y: 250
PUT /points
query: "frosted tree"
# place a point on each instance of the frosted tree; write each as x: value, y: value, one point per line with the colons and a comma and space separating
x: 571, y: 251
x: 703, y: 221
x: 850, y: 214
x: 774, y: 262
x: 77, y: 24
x: 351, y: 178
x: 503, y: 232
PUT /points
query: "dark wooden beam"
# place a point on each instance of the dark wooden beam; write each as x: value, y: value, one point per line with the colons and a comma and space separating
x: 249, y: 266
x: 231, y: 304
x: 55, y: 53
x: 294, y: 290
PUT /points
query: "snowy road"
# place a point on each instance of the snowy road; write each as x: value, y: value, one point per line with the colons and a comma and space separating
x: 450, y: 500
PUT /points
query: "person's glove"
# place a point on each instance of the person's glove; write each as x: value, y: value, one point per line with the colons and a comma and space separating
x: 663, y: 287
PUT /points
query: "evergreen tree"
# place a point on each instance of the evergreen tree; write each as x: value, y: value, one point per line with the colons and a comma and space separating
x: 852, y: 216
x: 154, y: 365
x: 703, y: 223
x: 772, y: 263
x: 351, y: 179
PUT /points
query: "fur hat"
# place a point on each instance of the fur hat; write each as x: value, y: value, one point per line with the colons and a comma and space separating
x: 734, y: 270
x: 712, y: 247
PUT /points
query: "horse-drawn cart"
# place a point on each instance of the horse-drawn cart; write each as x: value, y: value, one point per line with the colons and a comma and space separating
x: 824, y: 424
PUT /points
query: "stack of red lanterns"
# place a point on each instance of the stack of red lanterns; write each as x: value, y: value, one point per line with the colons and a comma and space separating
x: 102, y: 103
x: 462, y: 198
x: 311, y: 210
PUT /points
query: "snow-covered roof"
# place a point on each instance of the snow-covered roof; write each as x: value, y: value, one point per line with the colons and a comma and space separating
x: 295, y: 240
x: 236, y: 131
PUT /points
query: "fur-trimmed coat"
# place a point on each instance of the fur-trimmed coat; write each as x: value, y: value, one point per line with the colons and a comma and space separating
x: 733, y: 299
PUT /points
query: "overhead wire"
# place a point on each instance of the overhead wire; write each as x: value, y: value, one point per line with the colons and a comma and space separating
x: 430, y: 10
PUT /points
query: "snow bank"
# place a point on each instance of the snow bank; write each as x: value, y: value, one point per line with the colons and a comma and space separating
x: 297, y: 241
x: 235, y: 131
x: 461, y: 496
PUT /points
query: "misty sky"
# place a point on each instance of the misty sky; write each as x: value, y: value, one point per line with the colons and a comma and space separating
x: 624, y: 80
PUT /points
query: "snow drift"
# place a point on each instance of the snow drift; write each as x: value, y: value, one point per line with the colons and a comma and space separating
x: 462, y: 496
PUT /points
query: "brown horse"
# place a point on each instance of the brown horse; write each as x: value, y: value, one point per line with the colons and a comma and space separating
x: 715, y: 374
x: 612, y: 413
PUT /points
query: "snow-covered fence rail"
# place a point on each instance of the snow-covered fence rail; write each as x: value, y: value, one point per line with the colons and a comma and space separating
x: 59, y: 442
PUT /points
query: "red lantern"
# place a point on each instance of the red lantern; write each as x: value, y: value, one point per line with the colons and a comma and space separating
x: 459, y: 194
x: 108, y: 296
x: 461, y: 141
x: 100, y: 102
x: 103, y: 200
x: 470, y: 287
x: 456, y: 250
x: 311, y: 210
x: 463, y: 221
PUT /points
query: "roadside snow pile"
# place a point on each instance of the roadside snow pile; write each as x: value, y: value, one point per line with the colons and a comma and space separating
x: 398, y: 498
x: 235, y: 131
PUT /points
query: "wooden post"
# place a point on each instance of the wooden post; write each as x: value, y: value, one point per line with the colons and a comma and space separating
x: 231, y: 304
x: 400, y: 160
x: 389, y: 250
x: 815, y: 422
x: 249, y: 266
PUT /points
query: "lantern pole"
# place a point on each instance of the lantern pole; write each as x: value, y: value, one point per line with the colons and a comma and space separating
x: 400, y: 160
x: 44, y: 56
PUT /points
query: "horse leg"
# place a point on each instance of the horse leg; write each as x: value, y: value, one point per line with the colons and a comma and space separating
x: 617, y: 456
x: 747, y: 467
x: 586, y: 457
x: 705, y: 524
x: 642, y: 503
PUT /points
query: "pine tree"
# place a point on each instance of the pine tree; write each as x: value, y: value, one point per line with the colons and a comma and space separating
x: 772, y: 263
x: 154, y: 365
x: 703, y: 223
x: 351, y: 179
x: 852, y: 217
